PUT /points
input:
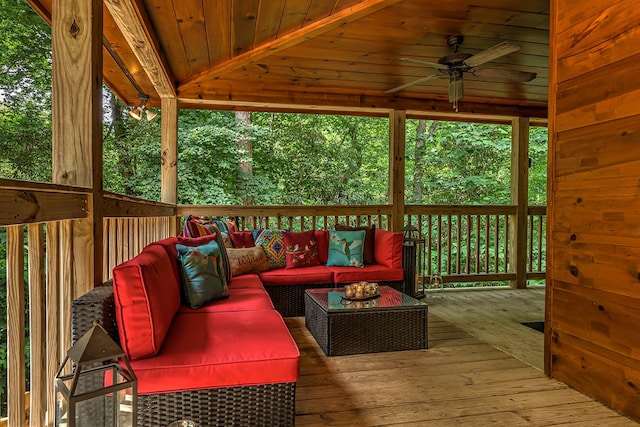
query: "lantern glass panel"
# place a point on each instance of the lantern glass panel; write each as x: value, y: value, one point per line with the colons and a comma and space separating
x: 108, y: 408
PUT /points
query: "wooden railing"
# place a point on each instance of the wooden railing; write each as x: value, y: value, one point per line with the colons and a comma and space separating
x: 295, y: 218
x: 463, y: 243
x: 129, y: 225
x: 38, y: 223
x: 472, y: 243
x: 467, y: 243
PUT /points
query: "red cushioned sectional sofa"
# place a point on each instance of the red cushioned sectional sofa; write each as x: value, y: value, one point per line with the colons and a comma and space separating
x: 232, y: 362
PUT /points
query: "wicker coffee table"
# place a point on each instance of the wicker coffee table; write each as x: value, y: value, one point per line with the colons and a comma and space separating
x: 394, y: 321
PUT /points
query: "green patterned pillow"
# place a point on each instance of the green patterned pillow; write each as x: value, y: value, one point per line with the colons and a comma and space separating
x: 346, y: 248
x: 202, y: 272
x: 272, y: 242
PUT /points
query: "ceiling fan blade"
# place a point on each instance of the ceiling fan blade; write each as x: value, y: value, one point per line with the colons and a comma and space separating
x: 518, y: 76
x: 492, y: 53
x: 425, y: 63
x: 415, y: 82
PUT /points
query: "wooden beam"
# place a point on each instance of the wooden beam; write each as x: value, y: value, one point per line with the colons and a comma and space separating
x: 519, y: 198
x: 287, y: 100
x: 169, y: 159
x: 130, y: 17
x: 397, y: 130
x: 314, y: 29
x: 122, y: 206
x: 26, y: 207
x: 77, y: 124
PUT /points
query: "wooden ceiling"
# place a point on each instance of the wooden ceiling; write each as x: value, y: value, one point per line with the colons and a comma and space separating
x: 320, y: 54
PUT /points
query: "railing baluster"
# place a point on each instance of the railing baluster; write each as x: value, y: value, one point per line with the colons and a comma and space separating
x: 487, y: 243
x: 458, y: 241
x: 496, y: 243
x: 477, y: 270
x: 429, y: 243
x: 52, y: 314
x: 506, y: 243
x: 530, y: 238
x: 449, y: 245
x: 15, y: 325
x: 439, y: 245
x: 469, y: 230
x: 37, y: 332
x: 540, y: 228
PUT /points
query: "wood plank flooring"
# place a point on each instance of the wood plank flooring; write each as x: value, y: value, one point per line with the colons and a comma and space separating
x: 459, y: 380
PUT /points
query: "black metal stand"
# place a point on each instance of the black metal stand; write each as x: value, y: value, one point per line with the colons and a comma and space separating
x: 409, y: 266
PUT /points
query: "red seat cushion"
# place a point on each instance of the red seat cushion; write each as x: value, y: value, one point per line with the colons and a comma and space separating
x: 369, y: 273
x: 388, y: 248
x: 147, y: 296
x: 239, y: 299
x: 307, y: 275
x: 245, y: 281
x: 224, y: 349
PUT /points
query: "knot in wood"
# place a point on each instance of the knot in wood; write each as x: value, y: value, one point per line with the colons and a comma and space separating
x: 573, y: 237
x: 74, y: 29
x: 574, y: 271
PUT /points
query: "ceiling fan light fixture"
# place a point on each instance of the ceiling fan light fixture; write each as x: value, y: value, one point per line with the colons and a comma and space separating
x: 456, y: 89
x: 136, y: 112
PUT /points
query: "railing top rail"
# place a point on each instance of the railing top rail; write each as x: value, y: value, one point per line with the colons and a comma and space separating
x: 285, y: 211
x: 460, y: 210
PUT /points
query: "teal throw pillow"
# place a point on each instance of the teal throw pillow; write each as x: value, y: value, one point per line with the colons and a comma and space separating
x: 201, y: 269
x: 346, y: 248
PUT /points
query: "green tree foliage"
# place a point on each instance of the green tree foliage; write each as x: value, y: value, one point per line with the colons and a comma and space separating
x: 25, y: 93
x: 469, y: 163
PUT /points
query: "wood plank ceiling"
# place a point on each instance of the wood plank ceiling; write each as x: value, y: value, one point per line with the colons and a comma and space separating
x: 279, y: 54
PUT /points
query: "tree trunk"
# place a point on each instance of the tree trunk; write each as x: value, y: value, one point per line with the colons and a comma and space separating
x: 125, y: 165
x: 243, y: 119
x: 421, y: 137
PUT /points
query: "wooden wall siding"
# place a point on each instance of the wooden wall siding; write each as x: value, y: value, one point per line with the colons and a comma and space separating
x: 593, y: 304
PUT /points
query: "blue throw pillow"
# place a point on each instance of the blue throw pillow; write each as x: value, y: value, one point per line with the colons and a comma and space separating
x: 202, y: 272
x: 346, y: 248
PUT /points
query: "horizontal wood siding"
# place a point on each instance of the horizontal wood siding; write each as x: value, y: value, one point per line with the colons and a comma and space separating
x: 594, y: 227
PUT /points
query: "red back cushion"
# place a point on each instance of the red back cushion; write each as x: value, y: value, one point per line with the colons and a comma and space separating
x: 147, y: 296
x: 169, y: 245
x: 388, y: 248
x: 322, y: 237
x: 242, y: 239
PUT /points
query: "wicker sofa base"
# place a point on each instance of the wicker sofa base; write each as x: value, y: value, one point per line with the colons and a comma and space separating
x: 261, y: 405
x: 289, y: 299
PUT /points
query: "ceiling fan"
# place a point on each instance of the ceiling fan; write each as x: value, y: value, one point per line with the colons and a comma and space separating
x: 456, y: 64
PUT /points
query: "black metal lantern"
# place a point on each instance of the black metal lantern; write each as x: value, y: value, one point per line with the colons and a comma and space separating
x: 412, y: 260
x: 101, y: 389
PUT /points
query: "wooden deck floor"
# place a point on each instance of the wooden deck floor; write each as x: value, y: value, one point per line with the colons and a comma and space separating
x: 459, y: 380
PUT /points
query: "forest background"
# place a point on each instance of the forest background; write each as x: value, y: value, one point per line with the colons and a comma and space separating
x: 230, y: 158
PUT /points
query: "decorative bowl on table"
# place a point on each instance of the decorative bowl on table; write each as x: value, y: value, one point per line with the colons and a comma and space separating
x: 361, y: 291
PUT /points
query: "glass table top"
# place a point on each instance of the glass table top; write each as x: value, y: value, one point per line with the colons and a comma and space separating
x: 330, y: 299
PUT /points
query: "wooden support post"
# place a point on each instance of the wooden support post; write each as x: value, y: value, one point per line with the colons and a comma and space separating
x: 76, y: 31
x: 397, y: 125
x: 170, y: 156
x: 519, y: 198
